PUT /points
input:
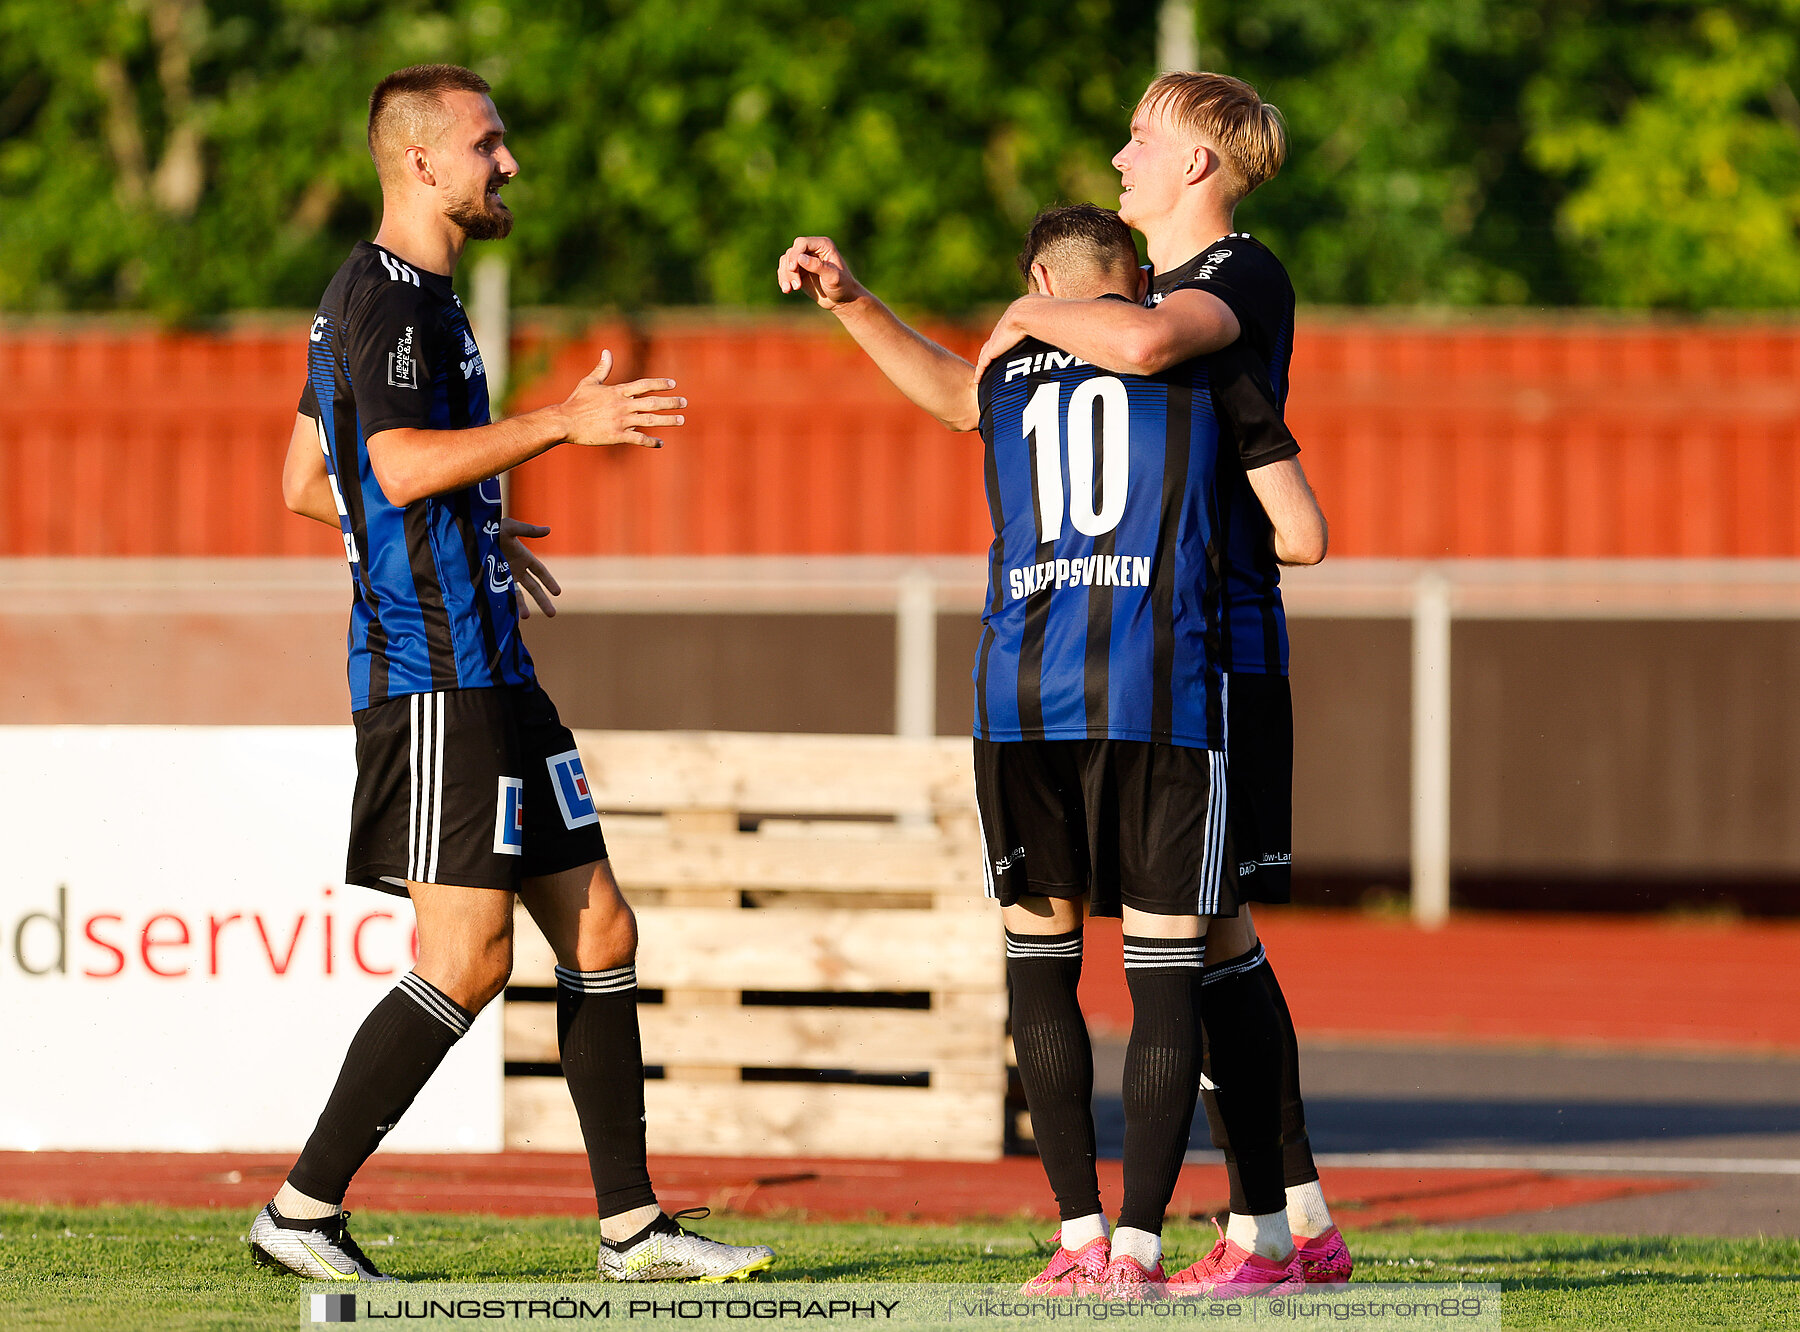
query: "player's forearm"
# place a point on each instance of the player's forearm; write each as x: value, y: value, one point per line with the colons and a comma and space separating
x: 305, y: 484
x: 1301, y: 535
x: 931, y: 376
x: 1114, y: 335
x: 314, y: 502
x: 412, y: 464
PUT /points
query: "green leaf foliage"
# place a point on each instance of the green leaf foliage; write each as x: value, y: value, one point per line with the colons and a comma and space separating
x: 195, y: 156
x: 1684, y: 145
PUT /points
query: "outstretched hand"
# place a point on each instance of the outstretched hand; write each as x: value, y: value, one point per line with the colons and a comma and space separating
x: 532, y: 580
x: 600, y: 413
x: 812, y: 264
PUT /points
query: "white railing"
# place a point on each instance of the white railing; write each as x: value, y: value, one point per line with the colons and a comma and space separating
x: 1432, y: 595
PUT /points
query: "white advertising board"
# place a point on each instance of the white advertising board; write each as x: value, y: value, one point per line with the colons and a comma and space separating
x: 181, y: 968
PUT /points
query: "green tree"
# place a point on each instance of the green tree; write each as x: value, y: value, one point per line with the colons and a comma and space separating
x: 1683, y: 141
x: 676, y: 146
x: 1406, y: 181
x: 190, y: 156
x: 194, y: 156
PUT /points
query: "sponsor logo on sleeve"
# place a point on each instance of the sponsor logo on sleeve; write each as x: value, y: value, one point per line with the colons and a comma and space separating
x: 569, y: 780
x: 403, y: 366
x: 509, y: 818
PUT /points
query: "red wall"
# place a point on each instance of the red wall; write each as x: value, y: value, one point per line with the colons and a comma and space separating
x: 1461, y: 438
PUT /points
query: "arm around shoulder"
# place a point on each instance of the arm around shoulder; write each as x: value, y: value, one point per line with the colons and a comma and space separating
x: 1119, y: 336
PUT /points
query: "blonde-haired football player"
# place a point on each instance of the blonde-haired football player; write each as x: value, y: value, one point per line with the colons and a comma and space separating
x: 1200, y: 143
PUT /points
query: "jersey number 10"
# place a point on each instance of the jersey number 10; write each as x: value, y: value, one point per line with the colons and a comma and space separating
x: 1044, y: 419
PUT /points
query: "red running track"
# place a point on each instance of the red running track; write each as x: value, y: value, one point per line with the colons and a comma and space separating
x: 1539, y: 980
x: 534, y: 1183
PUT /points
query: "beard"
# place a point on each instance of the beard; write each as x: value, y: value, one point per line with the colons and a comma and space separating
x: 481, y: 218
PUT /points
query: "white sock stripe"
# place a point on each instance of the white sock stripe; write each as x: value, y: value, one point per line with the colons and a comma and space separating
x: 1246, y: 963
x: 1027, y: 947
x: 428, y: 997
x: 611, y: 981
x: 1163, y: 959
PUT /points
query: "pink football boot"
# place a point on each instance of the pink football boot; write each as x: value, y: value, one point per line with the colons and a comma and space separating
x: 1071, y: 1273
x: 1230, y: 1272
x: 1126, y: 1279
x: 1324, y: 1259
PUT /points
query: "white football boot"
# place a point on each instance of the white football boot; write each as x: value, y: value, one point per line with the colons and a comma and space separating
x: 319, y: 1249
x: 664, y: 1251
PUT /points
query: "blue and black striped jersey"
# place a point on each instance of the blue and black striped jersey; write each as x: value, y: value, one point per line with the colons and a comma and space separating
x: 1247, y: 276
x: 1103, y: 598
x: 433, y: 606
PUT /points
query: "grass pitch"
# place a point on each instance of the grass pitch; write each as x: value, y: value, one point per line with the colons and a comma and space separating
x: 139, y: 1267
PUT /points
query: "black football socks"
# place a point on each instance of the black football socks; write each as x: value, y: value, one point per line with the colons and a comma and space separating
x: 1252, y: 1068
x: 395, y: 1052
x: 1162, y: 1072
x: 603, y: 1063
x: 1297, y: 1165
x: 1056, y: 1063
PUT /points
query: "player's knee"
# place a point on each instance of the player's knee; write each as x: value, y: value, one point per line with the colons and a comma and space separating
x: 608, y: 938
x: 488, y: 973
x: 472, y: 974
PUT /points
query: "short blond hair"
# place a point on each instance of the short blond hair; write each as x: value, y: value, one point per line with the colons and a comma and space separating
x: 1249, y: 133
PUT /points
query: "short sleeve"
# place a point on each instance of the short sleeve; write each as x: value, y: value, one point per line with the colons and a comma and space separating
x: 391, y: 346
x: 1249, y: 280
x: 1247, y: 408
x: 309, y: 401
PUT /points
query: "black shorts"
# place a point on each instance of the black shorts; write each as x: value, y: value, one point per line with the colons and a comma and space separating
x: 475, y: 787
x: 1121, y: 822
x: 1260, y: 741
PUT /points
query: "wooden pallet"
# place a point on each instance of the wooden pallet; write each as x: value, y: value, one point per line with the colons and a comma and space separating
x: 800, y: 869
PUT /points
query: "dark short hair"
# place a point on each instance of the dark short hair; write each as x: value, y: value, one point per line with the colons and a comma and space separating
x: 407, y: 94
x: 1065, y: 232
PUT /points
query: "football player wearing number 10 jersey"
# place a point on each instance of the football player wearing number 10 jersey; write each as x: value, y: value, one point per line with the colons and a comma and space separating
x: 1099, y: 701
x: 1199, y: 143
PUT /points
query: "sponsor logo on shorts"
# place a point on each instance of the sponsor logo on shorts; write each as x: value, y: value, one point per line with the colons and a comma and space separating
x: 1016, y: 856
x: 569, y: 780
x: 1270, y: 860
x: 509, y: 818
